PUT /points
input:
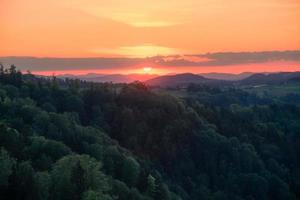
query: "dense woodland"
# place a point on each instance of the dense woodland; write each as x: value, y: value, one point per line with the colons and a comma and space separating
x: 75, y: 140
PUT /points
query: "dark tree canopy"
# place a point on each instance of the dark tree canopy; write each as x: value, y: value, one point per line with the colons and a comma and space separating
x: 70, y: 139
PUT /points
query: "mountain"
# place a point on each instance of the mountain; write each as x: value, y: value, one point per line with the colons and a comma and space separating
x: 273, y: 78
x: 178, y: 79
x: 226, y: 76
x: 217, y: 79
x: 114, y: 78
x: 246, y: 78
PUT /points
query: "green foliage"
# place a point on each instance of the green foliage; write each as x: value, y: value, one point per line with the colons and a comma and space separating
x: 130, y: 171
x: 75, y: 174
x: 151, y: 186
x: 92, y: 195
x: 68, y: 139
x: 24, y: 180
x: 42, y: 185
x: 6, y: 167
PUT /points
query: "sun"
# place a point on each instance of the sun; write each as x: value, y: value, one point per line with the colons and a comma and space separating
x: 147, y: 70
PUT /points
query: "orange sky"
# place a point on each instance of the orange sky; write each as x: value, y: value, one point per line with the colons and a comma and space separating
x: 141, y: 28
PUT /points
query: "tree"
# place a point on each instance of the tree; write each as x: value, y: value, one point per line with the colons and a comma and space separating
x: 44, y: 151
x: 24, y: 181
x: 74, y: 174
x: 78, y: 181
x: 11, y: 139
x: 93, y: 195
x: 120, y: 190
x: 151, y: 186
x: 6, y: 167
x: 163, y: 192
x: 278, y: 189
x: 42, y: 182
x: 130, y: 171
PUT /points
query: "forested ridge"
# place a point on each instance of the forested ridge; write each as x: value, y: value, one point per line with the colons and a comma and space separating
x: 70, y: 139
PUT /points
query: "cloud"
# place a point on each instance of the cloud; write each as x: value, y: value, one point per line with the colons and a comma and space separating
x: 141, y: 51
x: 134, y: 13
x: 200, y: 60
x: 230, y: 58
x: 48, y: 64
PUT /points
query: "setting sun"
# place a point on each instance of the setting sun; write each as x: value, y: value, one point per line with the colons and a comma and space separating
x: 147, y: 70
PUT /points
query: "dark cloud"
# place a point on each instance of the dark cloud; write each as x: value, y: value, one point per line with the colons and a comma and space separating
x: 46, y: 64
x: 232, y: 58
x: 210, y: 59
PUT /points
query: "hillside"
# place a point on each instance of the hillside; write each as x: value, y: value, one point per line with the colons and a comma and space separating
x: 226, y: 76
x: 113, y: 78
x: 75, y: 140
x: 273, y: 78
x: 175, y: 80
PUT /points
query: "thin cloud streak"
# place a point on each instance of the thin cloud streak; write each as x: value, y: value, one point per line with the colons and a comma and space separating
x: 232, y: 58
x: 180, y: 62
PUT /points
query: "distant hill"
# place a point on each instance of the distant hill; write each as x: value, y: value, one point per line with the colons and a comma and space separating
x: 224, y: 79
x: 273, y: 78
x: 226, y: 76
x: 246, y: 78
x: 178, y: 79
x: 295, y: 80
x: 114, y: 78
x: 152, y: 79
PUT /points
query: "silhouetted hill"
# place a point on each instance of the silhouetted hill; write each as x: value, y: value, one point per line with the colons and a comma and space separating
x: 178, y: 79
x: 274, y: 78
x: 295, y: 80
x: 224, y: 79
x: 114, y: 78
x: 227, y: 76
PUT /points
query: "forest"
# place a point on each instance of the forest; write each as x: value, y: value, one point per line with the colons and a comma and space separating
x: 65, y: 139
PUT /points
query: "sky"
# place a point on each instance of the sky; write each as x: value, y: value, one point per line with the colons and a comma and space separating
x: 148, y: 29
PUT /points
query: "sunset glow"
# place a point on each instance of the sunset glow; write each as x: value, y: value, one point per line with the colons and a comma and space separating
x: 149, y: 28
x: 147, y: 70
